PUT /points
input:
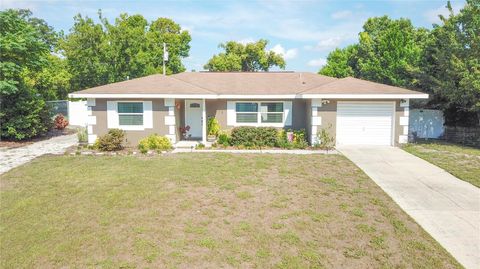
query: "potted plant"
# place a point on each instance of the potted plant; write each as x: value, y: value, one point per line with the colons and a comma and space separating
x: 184, y: 130
x: 213, y: 129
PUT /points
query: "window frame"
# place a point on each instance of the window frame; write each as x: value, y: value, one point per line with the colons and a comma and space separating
x: 259, y: 113
x: 131, y: 127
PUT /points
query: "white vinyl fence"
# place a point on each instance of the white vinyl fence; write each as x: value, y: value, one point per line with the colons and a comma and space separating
x: 426, y: 123
x: 77, y: 113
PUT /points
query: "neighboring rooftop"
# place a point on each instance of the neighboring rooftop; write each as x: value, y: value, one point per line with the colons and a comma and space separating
x: 245, y: 83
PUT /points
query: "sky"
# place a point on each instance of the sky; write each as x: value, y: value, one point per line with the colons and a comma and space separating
x: 303, y: 31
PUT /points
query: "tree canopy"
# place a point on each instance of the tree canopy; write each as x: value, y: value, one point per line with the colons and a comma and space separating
x: 131, y: 47
x: 444, y: 62
x: 25, y: 49
x: 250, y: 57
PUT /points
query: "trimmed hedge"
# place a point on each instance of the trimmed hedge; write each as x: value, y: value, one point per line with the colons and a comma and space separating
x: 254, y: 136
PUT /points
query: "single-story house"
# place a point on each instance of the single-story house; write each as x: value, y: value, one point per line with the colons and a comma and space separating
x: 355, y: 111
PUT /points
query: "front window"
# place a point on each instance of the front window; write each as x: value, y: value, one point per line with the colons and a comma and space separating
x: 271, y: 112
x: 130, y: 113
x: 259, y: 112
x: 247, y: 112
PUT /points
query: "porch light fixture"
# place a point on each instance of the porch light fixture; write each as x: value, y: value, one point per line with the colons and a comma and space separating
x: 325, y: 101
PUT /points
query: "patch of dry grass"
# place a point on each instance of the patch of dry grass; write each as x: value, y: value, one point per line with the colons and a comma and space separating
x: 460, y: 161
x: 205, y: 210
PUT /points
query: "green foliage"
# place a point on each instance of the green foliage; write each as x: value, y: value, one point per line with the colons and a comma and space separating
x: 24, y: 114
x: 339, y: 63
x: 451, y: 66
x: 254, y: 137
x: 324, y: 139
x: 299, y: 140
x: 250, y: 57
x: 154, y: 142
x: 200, y: 146
x: 82, y: 135
x: 444, y: 62
x: 112, y: 141
x: 213, y: 126
x: 223, y: 139
x: 101, y: 53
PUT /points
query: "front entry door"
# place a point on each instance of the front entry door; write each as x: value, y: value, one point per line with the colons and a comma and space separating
x: 193, y: 117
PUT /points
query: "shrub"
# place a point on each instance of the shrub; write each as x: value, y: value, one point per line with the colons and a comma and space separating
x: 299, y: 139
x: 111, y: 141
x: 154, y: 142
x: 213, y: 127
x: 254, y: 136
x: 223, y: 139
x: 82, y: 135
x: 324, y: 139
x: 60, y: 122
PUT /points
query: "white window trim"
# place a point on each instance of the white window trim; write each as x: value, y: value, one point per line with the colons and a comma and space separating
x: 259, y: 122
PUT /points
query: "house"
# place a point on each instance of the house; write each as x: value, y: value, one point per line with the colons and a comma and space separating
x: 355, y: 111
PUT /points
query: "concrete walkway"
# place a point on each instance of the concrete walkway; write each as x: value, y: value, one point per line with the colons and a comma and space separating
x: 446, y: 207
x: 11, y: 158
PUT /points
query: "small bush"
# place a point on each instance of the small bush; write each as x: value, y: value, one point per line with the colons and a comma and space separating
x: 223, y: 139
x: 299, y: 139
x: 111, y: 141
x: 253, y: 137
x: 82, y: 135
x: 60, y: 122
x: 213, y: 126
x: 324, y: 139
x: 154, y: 142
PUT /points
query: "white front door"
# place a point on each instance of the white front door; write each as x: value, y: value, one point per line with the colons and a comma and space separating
x: 365, y: 123
x: 193, y: 117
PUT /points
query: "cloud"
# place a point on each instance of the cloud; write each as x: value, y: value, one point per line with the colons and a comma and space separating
x: 246, y: 40
x: 327, y: 44
x: 341, y: 14
x: 287, y: 54
x: 317, y: 62
x: 432, y: 14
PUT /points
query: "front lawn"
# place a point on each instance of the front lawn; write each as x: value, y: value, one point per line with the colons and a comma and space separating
x: 205, y: 211
x: 462, y: 162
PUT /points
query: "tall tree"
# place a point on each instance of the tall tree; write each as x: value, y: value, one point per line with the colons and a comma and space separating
x: 340, y: 62
x: 100, y: 53
x: 452, y: 65
x: 389, y: 51
x: 250, y: 57
x: 23, y: 112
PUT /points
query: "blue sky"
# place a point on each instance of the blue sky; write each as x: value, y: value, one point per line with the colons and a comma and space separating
x: 304, y: 31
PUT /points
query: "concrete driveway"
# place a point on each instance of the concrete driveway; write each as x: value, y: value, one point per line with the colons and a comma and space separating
x: 446, y: 207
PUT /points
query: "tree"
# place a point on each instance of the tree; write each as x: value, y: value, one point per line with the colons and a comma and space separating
x: 451, y: 66
x: 389, y: 51
x: 339, y: 63
x: 24, y: 113
x: 251, y: 57
x: 101, y: 53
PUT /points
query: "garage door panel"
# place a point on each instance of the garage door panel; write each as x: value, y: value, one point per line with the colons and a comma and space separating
x: 363, y: 123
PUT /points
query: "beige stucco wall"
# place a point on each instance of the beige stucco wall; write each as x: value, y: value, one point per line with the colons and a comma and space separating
x: 159, y: 113
x: 328, y: 112
x: 301, y: 117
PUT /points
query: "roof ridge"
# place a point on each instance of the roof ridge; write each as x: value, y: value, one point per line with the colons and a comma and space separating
x: 187, y: 82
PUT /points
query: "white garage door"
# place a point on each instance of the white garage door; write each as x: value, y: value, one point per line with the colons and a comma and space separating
x: 364, y: 123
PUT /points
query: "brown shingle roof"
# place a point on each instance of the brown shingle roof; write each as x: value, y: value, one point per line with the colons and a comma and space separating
x: 153, y: 84
x: 351, y: 85
x: 245, y: 83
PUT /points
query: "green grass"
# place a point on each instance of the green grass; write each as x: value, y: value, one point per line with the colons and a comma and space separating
x: 460, y: 161
x: 205, y: 211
